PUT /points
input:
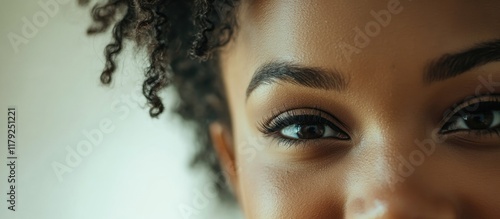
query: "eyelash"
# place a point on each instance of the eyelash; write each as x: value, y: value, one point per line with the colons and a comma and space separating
x: 492, y: 103
x: 278, y: 121
x: 274, y: 124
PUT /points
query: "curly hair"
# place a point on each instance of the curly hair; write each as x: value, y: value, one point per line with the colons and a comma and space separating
x: 181, y: 38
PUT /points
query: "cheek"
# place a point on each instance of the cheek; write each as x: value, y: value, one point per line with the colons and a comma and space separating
x: 273, y: 188
x: 271, y: 192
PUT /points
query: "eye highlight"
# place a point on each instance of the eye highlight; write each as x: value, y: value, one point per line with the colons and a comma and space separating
x: 303, y: 125
x: 479, y: 115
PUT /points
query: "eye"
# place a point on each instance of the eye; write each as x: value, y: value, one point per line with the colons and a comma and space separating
x: 477, y: 121
x: 479, y: 116
x: 311, y: 131
x: 294, y: 126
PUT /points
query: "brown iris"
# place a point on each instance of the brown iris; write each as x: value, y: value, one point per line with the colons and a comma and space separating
x: 310, y: 131
x: 479, y: 120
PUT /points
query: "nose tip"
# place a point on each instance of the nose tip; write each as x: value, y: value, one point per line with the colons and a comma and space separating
x: 399, y: 205
x: 360, y: 210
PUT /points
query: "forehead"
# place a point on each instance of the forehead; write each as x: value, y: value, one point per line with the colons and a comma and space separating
x: 389, y: 41
x: 342, y: 31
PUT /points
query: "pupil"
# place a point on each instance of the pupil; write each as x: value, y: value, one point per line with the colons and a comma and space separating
x: 310, y: 131
x: 481, y: 120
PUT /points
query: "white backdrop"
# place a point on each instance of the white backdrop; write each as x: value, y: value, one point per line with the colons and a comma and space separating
x: 85, y: 150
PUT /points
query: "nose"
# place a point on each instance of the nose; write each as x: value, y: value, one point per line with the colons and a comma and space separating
x: 384, y: 188
x: 384, y: 203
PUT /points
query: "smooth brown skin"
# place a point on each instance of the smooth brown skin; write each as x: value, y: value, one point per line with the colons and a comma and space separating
x: 385, y: 108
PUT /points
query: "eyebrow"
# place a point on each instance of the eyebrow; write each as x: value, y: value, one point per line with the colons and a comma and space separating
x: 445, y: 67
x: 311, y: 77
x: 452, y: 65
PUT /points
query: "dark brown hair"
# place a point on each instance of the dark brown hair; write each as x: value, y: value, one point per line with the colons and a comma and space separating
x: 181, y: 39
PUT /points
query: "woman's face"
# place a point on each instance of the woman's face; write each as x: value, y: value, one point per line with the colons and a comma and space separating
x: 364, y: 109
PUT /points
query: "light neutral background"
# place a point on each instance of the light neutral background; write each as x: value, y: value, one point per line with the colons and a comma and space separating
x: 138, y: 169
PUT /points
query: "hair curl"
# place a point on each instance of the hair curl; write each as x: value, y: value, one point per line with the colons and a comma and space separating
x: 181, y: 38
